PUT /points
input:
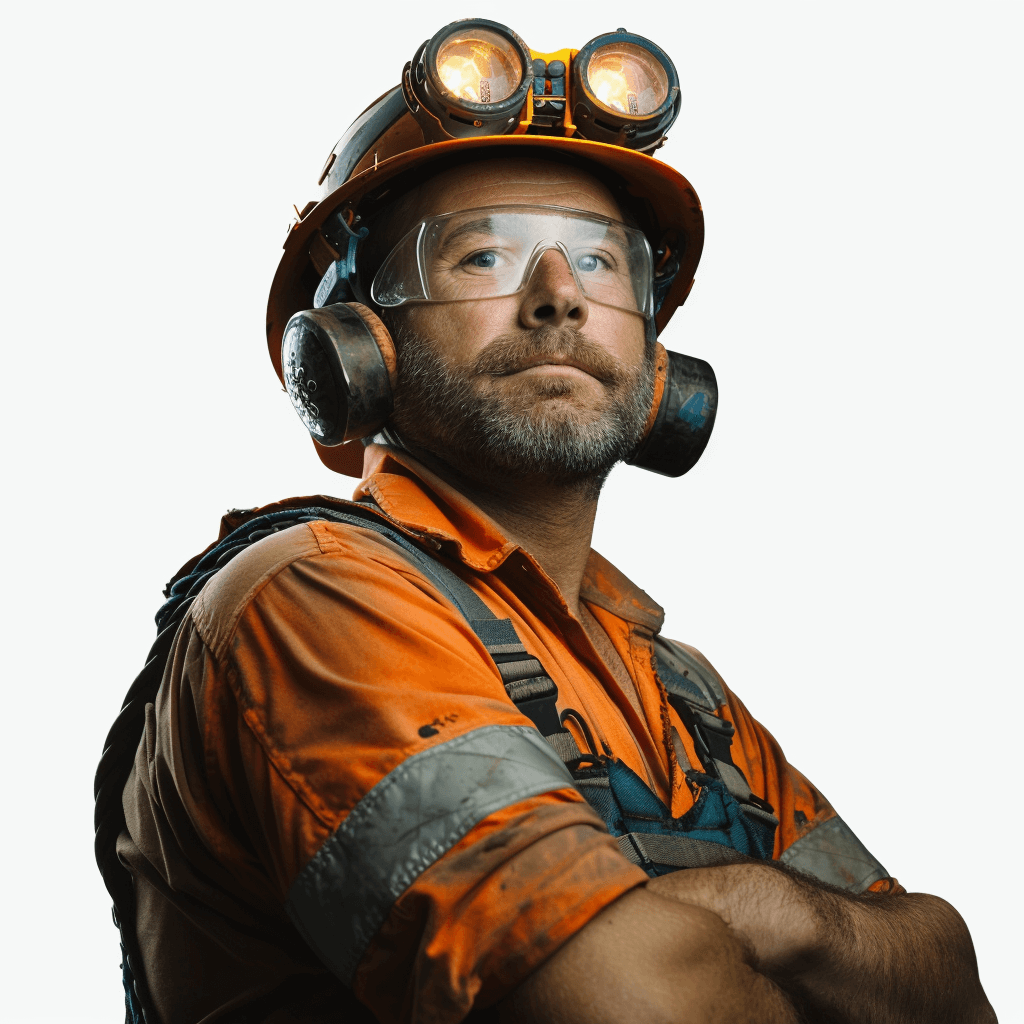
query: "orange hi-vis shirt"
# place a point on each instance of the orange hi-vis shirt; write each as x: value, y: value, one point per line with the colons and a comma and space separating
x: 332, y: 764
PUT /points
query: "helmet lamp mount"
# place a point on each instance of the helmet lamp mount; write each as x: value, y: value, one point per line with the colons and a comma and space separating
x: 477, y: 77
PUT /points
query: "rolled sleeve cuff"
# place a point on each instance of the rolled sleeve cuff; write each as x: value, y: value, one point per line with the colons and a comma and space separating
x: 480, y: 920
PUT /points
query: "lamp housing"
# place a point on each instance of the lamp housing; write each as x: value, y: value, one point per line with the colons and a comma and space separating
x: 469, y: 79
x: 625, y: 91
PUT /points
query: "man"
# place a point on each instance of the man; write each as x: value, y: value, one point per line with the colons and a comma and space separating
x: 427, y: 757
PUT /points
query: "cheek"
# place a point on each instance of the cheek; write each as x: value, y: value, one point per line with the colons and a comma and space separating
x: 461, y: 330
x: 621, y: 334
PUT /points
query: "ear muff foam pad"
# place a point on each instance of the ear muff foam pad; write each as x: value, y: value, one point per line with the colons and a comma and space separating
x: 339, y: 370
x: 683, y: 415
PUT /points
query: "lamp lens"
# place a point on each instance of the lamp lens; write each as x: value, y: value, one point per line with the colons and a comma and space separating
x: 627, y: 78
x: 479, y: 66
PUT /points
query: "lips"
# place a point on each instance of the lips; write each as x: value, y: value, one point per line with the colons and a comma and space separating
x: 556, y: 364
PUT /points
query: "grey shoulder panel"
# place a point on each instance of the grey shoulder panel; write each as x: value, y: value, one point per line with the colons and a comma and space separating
x: 681, y: 673
x: 833, y: 854
x: 409, y: 820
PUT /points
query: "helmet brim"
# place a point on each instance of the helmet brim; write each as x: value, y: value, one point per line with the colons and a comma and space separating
x: 672, y: 200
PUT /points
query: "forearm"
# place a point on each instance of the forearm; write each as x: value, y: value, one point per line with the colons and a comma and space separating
x: 844, y: 958
x: 652, y: 959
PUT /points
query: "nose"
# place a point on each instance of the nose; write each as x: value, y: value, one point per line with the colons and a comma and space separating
x: 552, y: 298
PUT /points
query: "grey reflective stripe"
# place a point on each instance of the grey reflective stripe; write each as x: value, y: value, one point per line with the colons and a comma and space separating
x: 832, y: 853
x: 410, y: 819
x: 676, y: 851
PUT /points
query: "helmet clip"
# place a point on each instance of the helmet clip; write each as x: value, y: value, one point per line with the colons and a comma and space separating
x: 337, y: 283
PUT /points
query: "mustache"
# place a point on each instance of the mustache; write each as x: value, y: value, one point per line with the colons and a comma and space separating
x: 516, y: 350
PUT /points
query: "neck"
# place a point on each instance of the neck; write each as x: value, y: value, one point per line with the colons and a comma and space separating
x: 553, y: 522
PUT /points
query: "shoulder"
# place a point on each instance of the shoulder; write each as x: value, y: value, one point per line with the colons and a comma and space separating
x: 685, y: 671
x: 299, y: 566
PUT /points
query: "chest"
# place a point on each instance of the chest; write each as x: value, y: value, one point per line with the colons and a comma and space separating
x: 609, y: 695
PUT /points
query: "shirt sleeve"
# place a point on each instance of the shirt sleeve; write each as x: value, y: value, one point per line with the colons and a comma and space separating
x: 366, y: 762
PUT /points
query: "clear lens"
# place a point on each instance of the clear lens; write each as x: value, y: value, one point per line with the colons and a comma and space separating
x: 627, y: 78
x: 485, y: 254
x: 479, y: 66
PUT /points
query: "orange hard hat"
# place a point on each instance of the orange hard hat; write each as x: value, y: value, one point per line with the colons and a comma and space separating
x: 472, y: 88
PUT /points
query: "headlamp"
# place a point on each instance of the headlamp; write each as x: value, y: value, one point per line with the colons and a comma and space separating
x: 469, y: 79
x: 476, y: 77
x: 625, y: 91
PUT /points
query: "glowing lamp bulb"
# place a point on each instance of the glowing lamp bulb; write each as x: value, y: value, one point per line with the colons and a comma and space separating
x: 627, y: 78
x: 481, y: 67
x: 612, y: 89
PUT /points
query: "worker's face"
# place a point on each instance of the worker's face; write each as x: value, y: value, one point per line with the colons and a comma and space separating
x: 541, y: 382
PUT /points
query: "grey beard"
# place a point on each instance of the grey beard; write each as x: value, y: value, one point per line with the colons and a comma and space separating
x: 489, y: 437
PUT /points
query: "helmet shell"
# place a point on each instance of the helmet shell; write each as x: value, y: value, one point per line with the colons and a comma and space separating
x: 386, y: 141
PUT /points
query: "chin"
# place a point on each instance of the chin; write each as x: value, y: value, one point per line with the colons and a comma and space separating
x: 564, y: 409
x: 555, y: 396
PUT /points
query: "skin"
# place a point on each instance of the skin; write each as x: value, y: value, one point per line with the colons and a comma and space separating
x: 553, y: 522
x: 754, y: 943
x: 749, y: 942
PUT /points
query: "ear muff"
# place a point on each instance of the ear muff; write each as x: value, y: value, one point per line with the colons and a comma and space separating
x: 339, y: 368
x: 682, y: 414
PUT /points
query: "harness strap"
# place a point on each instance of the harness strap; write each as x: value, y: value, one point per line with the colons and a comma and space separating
x: 695, y: 696
x: 648, y: 849
x: 527, y: 685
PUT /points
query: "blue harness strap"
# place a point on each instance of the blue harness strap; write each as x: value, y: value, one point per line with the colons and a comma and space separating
x: 715, y: 830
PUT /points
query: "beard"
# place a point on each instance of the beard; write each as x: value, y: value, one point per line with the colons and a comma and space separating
x: 490, y: 427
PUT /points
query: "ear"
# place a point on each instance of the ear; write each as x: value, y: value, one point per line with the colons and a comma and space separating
x: 339, y: 369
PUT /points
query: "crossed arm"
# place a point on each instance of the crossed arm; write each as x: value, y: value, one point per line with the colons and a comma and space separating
x: 756, y: 944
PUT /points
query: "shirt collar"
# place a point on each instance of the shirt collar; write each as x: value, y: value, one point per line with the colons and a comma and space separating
x: 608, y: 588
x: 425, y: 505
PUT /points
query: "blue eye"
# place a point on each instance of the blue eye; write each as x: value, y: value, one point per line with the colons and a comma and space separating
x: 588, y: 263
x: 486, y: 260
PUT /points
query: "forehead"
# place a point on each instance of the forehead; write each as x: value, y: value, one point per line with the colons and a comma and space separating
x: 506, y: 182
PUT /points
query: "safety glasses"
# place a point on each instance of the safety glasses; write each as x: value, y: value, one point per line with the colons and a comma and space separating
x: 488, y: 253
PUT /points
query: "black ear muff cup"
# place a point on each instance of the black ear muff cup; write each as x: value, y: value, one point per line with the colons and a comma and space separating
x: 684, y: 417
x: 339, y: 369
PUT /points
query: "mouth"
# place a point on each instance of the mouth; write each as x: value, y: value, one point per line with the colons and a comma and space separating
x: 547, y: 366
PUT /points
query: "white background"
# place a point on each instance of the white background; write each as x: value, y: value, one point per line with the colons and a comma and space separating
x: 847, y: 552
